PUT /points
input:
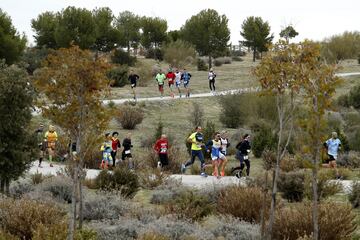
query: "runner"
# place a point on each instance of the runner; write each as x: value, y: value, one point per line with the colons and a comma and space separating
x: 178, y: 81
x: 185, y: 76
x: 196, y: 140
x: 160, y: 78
x: 333, y: 145
x: 216, y: 156
x: 242, y: 155
x: 115, y: 143
x: 106, y: 149
x: 211, y: 77
x: 161, y: 147
x: 170, y: 76
x: 126, y: 153
x: 133, y: 81
x: 51, y: 138
x: 41, y: 144
x: 225, y: 144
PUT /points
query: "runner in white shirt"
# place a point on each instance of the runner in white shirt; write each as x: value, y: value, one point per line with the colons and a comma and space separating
x: 178, y: 81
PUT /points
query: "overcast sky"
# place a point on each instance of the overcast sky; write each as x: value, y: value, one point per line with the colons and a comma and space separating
x: 313, y: 19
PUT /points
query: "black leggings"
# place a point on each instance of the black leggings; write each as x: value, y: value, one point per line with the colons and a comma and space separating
x: 212, y: 85
x: 113, y: 155
x: 242, y: 166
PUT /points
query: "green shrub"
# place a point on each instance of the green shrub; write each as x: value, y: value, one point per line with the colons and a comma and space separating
x: 263, y: 138
x: 22, y: 217
x: 232, y: 115
x: 325, y: 188
x: 118, y: 76
x: 179, y: 53
x: 354, y: 97
x: 60, y: 187
x: 237, y: 59
x: 129, y: 116
x: 201, y: 65
x: 350, y: 159
x: 336, y: 221
x: 196, y: 115
x: 291, y: 185
x: 123, y: 58
x: 189, y: 204
x: 121, y: 179
x: 154, y: 53
x: 243, y: 203
x: 217, y: 63
x: 354, y: 196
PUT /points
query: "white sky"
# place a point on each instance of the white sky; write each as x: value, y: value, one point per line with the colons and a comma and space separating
x: 313, y: 19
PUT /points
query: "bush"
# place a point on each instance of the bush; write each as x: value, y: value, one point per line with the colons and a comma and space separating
x: 223, y: 60
x: 153, y: 236
x: 189, y: 204
x: 121, y: 179
x: 290, y: 163
x: 20, y: 187
x: 167, y: 191
x: 37, y: 178
x: 343, y: 100
x: 237, y: 59
x: 151, y: 178
x: 354, y: 196
x: 350, y: 159
x: 291, y: 185
x: 238, y: 53
x: 60, y: 187
x: 196, y: 116
x: 129, y: 116
x: 230, y: 228
x: 325, y: 188
x: 336, y: 221
x: 22, y: 217
x: 118, y: 76
x: 201, y: 65
x: 231, y: 115
x: 121, y: 57
x: 217, y: 63
x: 179, y: 53
x: 104, y: 206
x: 243, y: 203
x: 155, y: 53
x: 354, y: 140
x: 263, y: 138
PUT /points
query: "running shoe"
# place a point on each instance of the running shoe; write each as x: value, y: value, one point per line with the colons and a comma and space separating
x: 222, y: 173
x: 182, y: 168
x: 203, y: 174
x: 238, y: 175
x: 159, y: 164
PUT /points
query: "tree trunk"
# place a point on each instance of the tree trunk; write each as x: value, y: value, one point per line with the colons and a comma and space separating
x: 210, y: 62
x: 254, y: 54
x: 72, y: 220
x: 81, y: 218
x: 2, y: 186
x: 277, y: 167
x: 315, y: 212
x: 263, y: 210
x: 7, y: 186
x: 128, y: 47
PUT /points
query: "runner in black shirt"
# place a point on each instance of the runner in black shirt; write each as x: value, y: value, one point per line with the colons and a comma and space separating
x: 133, y: 80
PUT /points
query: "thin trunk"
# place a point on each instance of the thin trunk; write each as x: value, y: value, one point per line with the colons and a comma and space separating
x: 81, y: 218
x: 254, y: 54
x: 7, y: 186
x: 277, y: 167
x: 210, y: 62
x: 263, y: 209
x: 2, y: 185
x: 72, y: 221
x: 128, y: 47
x: 315, y: 212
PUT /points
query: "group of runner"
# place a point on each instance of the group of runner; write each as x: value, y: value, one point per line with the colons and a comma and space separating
x: 175, y: 79
x: 217, y: 147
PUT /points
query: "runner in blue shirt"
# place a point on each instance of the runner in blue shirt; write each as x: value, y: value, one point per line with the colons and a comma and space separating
x: 333, y: 145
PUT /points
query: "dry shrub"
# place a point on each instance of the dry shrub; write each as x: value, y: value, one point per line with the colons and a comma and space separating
x: 22, y: 217
x: 144, y: 70
x: 153, y: 236
x: 291, y: 185
x: 354, y: 196
x: 60, y: 187
x: 151, y: 178
x: 191, y: 205
x: 243, y: 203
x: 269, y: 159
x: 7, y: 236
x: 129, y: 116
x: 289, y: 163
x: 336, y: 221
x: 325, y: 188
x: 59, y: 231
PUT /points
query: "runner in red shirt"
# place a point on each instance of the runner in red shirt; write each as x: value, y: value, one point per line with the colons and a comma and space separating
x: 115, y: 143
x: 170, y: 76
x: 161, y: 147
